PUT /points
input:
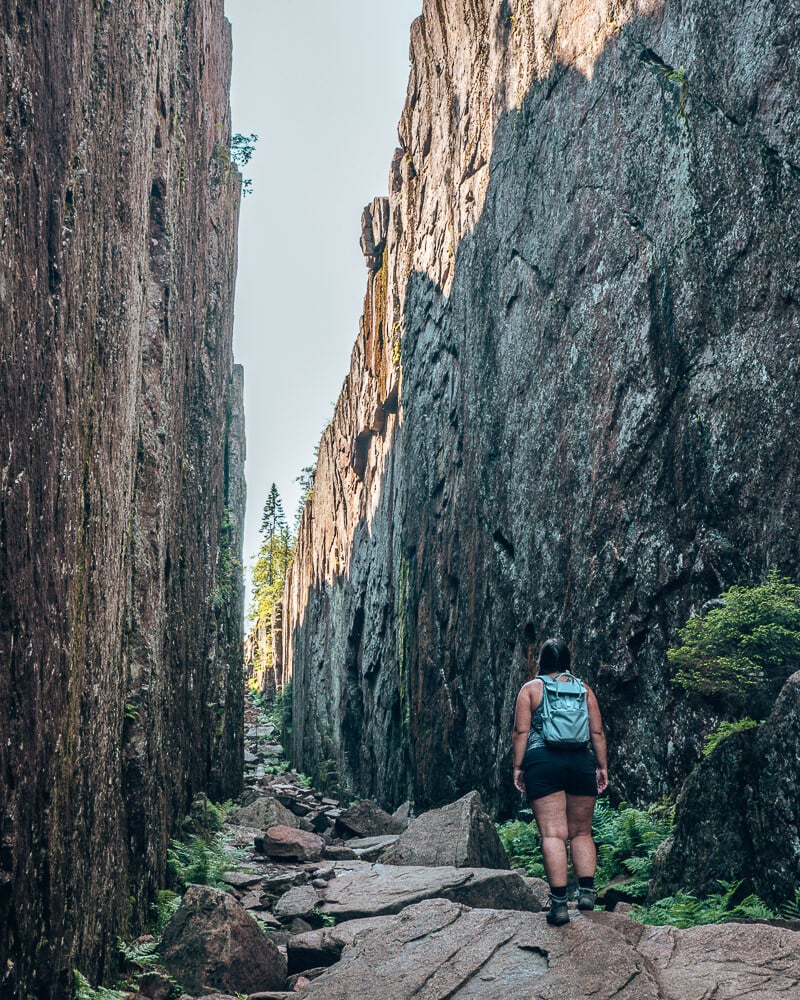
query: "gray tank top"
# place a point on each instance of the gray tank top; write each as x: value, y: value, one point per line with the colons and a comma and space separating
x: 535, y: 738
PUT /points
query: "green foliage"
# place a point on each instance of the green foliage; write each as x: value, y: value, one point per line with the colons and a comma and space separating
x: 724, y: 730
x: 791, y: 910
x: 85, y: 991
x: 523, y: 846
x: 626, y: 841
x: 685, y: 910
x: 752, y: 639
x: 197, y: 861
x: 242, y: 148
x: 142, y: 954
x: 164, y: 909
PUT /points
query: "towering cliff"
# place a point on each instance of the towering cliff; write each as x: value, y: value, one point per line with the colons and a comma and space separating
x: 589, y: 302
x: 121, y: 444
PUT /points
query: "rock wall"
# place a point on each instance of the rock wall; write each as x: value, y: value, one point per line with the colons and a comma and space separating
x: 121, y: 442
x: 589, y: 299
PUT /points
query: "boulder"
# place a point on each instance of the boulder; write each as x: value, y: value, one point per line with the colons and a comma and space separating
x: 364, y: 890
x: 263, y: 813
x: 439, y: 949
x: 212, y: 943
x: 289, y: 842
x: 738, y: 813
x: 365, y: 819
x: 460, y: 834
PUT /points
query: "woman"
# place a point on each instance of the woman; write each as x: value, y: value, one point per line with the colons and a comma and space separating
x: 561, y: 784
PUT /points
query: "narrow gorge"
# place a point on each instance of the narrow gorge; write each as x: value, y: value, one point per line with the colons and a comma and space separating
x: 572, y: 405
x: 121, y: 467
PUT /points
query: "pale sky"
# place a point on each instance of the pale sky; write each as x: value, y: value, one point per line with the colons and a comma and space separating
x: 322, y: 84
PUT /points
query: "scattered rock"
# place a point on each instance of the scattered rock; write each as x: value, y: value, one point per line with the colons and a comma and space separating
x: 299, y: 926
x: 540, y: 889
x: 370, y: 848
x: 363, y: 890
x: 338, y: 852
x: 289, y: 842
x: 299, y: 902
x: 325, y: 945
x: 460, y: 834
x: 212, y: 942
x: 403, y: 814
x: 365, y: 819
x: 302, y: 979
x: 155, y: 985
x: 242, y: 880
x: 265, y: 812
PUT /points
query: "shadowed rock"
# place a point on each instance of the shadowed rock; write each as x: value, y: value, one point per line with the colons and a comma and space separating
x: 287, y: 842
x: 365, y: 819
x: 738, y: 813
x: 213, y: 943
x: 460, y: 834
x: 264, y: 813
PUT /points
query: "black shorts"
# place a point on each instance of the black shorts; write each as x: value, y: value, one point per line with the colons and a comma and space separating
x: 570, y: 771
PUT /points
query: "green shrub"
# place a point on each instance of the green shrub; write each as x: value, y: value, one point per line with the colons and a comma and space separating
x: 685, y: 910
x: 724, y: 730
x: 752, y: 639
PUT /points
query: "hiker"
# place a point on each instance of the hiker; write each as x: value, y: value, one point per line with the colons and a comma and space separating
x: 557, y: 717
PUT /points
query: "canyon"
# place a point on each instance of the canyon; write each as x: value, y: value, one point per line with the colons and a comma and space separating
x: 572, y: 403
x: 121, y: 467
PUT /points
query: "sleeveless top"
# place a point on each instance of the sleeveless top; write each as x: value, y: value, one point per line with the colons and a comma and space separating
x: 535, y: 738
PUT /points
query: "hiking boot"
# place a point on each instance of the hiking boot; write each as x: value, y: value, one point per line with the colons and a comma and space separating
x: 558, y: 913
x: 586, y: 899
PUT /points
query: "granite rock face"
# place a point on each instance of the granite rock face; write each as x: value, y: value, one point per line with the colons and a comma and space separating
x: 738, y: 814
x: 572, y: 406
x: 121, y: 489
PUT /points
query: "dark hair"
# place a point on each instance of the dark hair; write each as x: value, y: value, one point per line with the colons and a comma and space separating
x: 554, y: 655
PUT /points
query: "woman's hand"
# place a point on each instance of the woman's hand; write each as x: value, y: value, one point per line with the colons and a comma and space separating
x: 519, y: 780
x: 602, y: 779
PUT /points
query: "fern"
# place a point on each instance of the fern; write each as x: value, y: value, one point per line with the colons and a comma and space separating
x: 143, y: 954
x: 85, y: 991
x: 685, y: 910
x: 199, y: 862
x: 523, y: 846
x: 791, y: 910
x: 164, y: 909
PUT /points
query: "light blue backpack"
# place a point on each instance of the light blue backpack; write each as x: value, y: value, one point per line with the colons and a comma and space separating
x: 565, y: 713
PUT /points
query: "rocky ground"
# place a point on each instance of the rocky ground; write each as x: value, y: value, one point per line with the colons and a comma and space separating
x: 357, y: 904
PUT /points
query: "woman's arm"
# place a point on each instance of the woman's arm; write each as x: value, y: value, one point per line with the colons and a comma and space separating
x: 598, y: 738
x: 519, y: 741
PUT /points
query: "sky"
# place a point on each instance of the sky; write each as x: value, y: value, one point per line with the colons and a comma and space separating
x: 322, y: 84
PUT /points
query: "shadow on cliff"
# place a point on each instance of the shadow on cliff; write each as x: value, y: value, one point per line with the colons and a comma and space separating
x: 578, y: 452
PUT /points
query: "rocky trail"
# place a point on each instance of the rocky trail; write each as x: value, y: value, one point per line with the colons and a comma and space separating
x: 357, y: 904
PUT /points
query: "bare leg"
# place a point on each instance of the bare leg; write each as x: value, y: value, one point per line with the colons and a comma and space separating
x: 580, y: 812
x: 551, y: 818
